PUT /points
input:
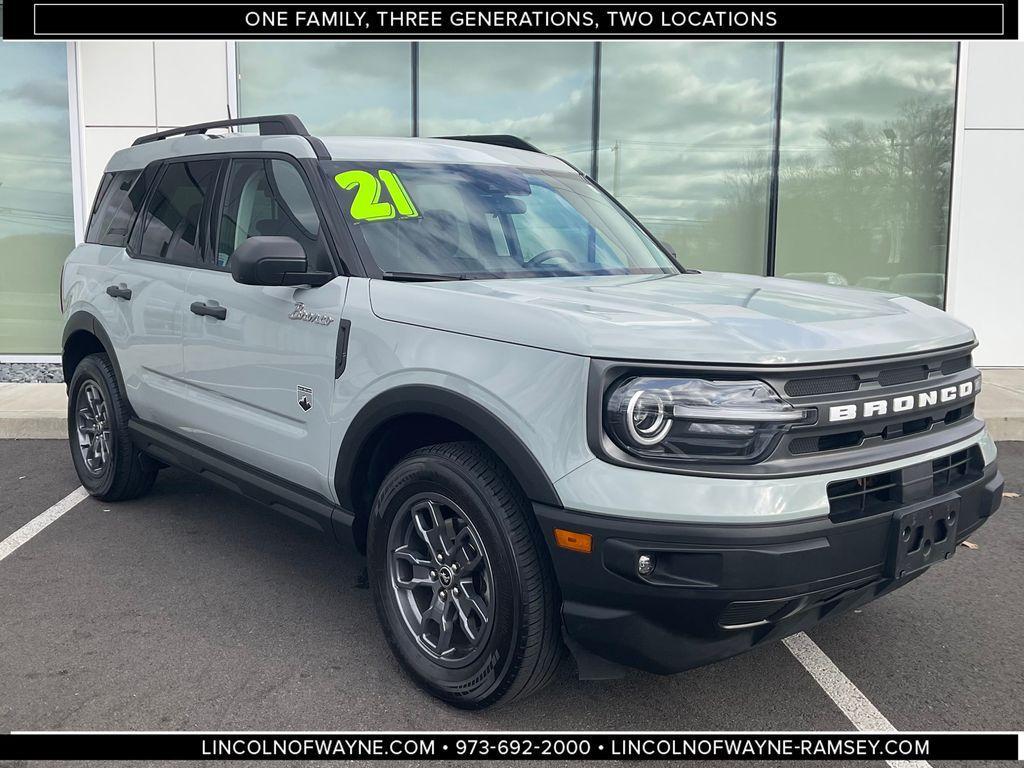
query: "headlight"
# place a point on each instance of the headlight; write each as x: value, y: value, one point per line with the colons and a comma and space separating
x: 681, y: 420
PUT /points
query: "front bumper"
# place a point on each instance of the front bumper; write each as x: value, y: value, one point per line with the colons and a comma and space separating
x: 719, y: 590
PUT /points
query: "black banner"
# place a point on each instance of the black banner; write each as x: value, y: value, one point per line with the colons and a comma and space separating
x: 776, y: 21
x: 508, y: 746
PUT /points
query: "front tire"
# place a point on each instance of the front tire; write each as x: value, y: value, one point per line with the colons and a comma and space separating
x: 109, y: 465
x: 462, y: 585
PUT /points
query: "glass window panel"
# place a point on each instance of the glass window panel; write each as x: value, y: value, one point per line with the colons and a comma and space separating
x: 269, y: 198
x: 496, y: 221
x: 36, y: 212
x: 540, y: 92
x: 336, y: 88
x: 114, y: 206
x: 865, y: 155
x: 685, y: 144
x: 122, y: 220
x: 170, y: 229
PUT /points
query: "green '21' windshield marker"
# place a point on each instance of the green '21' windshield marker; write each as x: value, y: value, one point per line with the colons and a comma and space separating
x: 367, y: 205
x: 397, y: 191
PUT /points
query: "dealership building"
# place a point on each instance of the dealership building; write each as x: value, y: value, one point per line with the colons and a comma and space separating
x: 896, y: 166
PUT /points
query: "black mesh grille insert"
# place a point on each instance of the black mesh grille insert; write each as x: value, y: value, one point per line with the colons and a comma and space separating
x: 903, y: 375
x: 822, y: 386
x: 956, y: 364
x: 831, y: 442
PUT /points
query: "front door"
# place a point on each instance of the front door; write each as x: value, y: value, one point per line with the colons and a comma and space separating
x: 260, y: 361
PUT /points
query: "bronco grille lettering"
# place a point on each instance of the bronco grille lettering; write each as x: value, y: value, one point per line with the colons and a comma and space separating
x: 868, y: 409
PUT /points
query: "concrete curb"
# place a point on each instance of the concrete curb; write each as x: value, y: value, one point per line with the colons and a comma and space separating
x: 33, y: 411
x: 29, y: 426
x: 39, y: 411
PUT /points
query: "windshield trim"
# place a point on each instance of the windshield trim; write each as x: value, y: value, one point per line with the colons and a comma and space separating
x: 374, y: 270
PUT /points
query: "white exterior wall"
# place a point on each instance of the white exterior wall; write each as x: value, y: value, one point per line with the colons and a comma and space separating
x: 127, y: 88
x: 986, y: 257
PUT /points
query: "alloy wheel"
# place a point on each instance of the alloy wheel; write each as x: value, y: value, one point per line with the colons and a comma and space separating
x: 441, y: 579
x: 92, y: 423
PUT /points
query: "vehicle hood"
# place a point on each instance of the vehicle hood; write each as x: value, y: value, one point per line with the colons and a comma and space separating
x: 705, y: 317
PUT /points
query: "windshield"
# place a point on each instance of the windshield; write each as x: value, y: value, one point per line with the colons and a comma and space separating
x: 462, y: 221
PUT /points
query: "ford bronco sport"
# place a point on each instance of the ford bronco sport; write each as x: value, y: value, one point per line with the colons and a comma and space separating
x: 541, y: 429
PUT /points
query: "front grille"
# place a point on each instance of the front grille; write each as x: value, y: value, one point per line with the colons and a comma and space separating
x: 896, y: 376
x: 831, y: 442
x: 835, y: 441
x: 885, y: 491
x: 824, y: 385
x: 883, y: 380
x: 955, y: 365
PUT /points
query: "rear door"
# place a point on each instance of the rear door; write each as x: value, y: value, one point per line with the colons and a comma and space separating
x: 260, y: 361
x: 146, y: 282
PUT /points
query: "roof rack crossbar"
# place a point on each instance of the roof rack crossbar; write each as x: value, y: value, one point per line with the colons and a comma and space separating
x: 270, y: 125
x: 498, y: 139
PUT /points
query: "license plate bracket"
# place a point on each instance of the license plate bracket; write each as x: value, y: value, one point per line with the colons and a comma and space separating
x: 922, y: 535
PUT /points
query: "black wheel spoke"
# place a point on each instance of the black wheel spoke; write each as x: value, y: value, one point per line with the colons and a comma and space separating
x: 429, y: 525
x: 420, y: 568
x: 447, y: 626
x: 472, y: 610
x: 467, y: 552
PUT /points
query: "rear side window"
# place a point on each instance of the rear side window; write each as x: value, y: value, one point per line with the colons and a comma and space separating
x: 116, y: 204
x: 170, y: 224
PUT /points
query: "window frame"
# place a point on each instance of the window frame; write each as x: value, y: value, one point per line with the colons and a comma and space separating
x: 101, y: 191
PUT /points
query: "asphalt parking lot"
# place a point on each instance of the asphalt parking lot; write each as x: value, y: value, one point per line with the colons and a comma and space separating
x: 194, y: 609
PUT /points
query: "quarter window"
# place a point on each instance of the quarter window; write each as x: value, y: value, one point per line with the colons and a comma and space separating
x: 170, y: 226
x: 116, y: 206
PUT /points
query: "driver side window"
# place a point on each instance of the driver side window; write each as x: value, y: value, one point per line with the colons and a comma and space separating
x: 268, y: 197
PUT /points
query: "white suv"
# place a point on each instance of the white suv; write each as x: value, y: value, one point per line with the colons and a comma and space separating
x: 543, y: 431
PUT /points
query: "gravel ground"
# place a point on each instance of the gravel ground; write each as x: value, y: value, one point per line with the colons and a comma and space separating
x: 28, y: 373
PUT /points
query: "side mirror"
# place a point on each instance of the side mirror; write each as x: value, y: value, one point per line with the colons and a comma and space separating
x: 669, y: 248
x: 271, y: 260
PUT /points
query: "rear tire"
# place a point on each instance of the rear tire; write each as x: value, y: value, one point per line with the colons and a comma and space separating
x: 109, y: 465
x: 480, y: 624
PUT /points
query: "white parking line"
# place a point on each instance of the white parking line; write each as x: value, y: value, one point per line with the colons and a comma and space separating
x: 848, y: 697
x: 38, y: 523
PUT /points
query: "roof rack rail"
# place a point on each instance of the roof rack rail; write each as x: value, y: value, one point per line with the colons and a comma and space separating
x: 498, y: 139
x: 270, y: 125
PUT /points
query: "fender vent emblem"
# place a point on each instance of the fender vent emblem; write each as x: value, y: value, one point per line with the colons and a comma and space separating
x: 304, y: 395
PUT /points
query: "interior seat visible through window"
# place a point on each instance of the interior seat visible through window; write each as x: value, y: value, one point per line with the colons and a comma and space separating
x: 265, y: 197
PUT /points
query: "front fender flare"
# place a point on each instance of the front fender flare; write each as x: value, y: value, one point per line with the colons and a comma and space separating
x: 417, y: 399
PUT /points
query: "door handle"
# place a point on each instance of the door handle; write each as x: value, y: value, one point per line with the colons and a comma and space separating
x: 119, y: 292
x: 218, y: 313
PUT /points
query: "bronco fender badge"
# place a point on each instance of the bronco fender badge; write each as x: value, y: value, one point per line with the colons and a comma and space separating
x: 317, y: 318
x: 304, y: 395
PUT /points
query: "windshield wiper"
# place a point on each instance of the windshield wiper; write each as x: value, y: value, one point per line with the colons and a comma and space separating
x: 420, y: 277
